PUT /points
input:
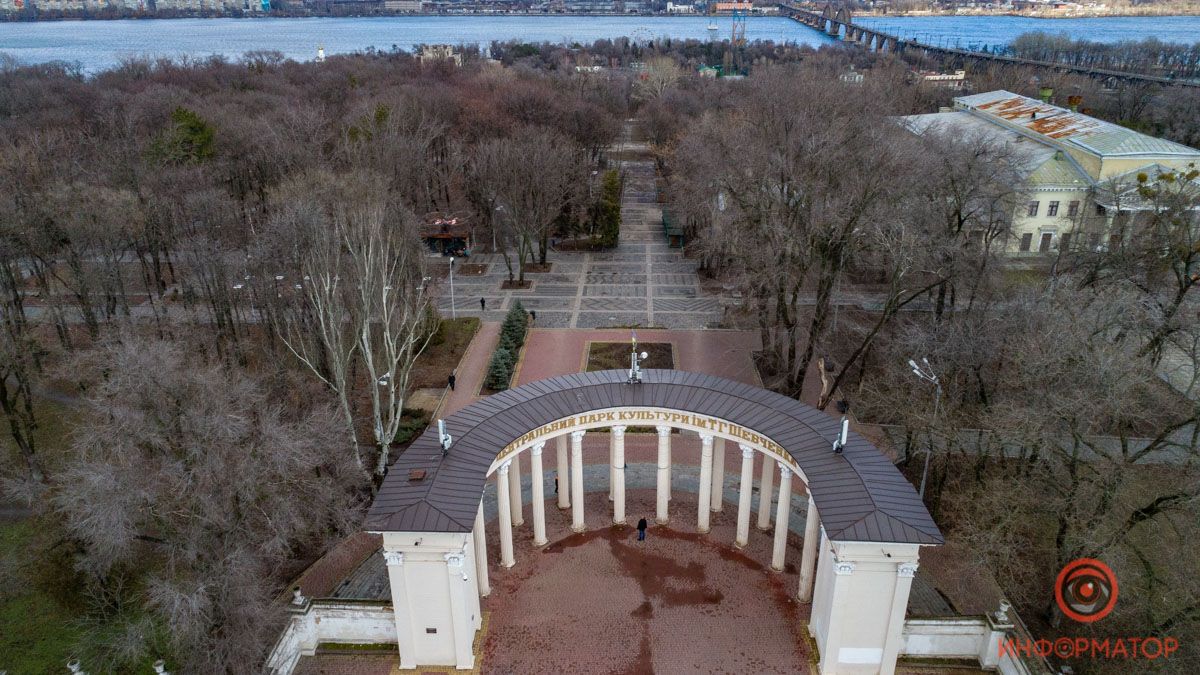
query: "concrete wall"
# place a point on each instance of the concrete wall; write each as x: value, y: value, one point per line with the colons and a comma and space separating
x: 330, y: 621
x: 969, y: 638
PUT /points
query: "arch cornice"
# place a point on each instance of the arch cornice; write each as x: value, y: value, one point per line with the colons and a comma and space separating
x: 860, y: 495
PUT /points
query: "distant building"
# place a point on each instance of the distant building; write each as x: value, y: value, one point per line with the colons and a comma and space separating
x: 851, y: 76
x: 403, y: 5
x: 673, y: 8
x: 1080, y: 174
x: 590, y: 6
x: 432, y: 53
x: 955, y: 80
x: 722, y: 7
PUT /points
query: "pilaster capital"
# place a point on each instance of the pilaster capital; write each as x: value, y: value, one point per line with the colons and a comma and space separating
x: 663, y: 431
x: 907, y: 570
x: 577, y: 436
x: 747, y: 451
x: 843, y: 568
x: 503, y: 470
x: 393, y: 558
x: 618, y: 431
x: 536, y: 450
x: 706, y: 439
x: 784, y: 470
x: 454, y: 559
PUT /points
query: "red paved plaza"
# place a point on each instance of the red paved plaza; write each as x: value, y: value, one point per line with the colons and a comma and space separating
x: 679, y: 602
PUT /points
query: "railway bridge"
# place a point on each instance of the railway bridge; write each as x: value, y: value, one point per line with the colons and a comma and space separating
x: 836, y: 21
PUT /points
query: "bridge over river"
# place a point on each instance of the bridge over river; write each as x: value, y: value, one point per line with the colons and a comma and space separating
x: 837, y: 21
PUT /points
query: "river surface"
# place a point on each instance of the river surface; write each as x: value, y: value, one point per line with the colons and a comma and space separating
x: 103, y: 44
x: 98, y: 45
x: 975, y: 32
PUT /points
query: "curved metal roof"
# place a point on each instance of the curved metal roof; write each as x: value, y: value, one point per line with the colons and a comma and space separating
x: 859, y: 494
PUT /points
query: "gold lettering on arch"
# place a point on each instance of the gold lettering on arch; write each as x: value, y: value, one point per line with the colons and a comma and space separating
x: 648, y: 418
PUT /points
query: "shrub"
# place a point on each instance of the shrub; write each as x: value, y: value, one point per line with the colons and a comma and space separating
x: 516, y: 323
x: 607, y: 209
x: 499, y: 370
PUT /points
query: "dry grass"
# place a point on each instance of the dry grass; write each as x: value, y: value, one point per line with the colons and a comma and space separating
x: 615, y: 355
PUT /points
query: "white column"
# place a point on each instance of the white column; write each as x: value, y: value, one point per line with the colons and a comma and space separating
x: 577, y: 522
x: 480, y: 536
x: 464, y: 635
x: 808, y: 558
x: 563, y: 477
x: 670, y: 463
x: 537, y: 478
x: 612, y: 474
x: 718, y: 476
x: 618, y: 475
x: 706, y: 466
x: 405, y: 640
x: 664, y: 473
x: 514, y: 488
x: 857, y: 616
x: 505, y: 511
x: 765, y: 488
x: 473, y: 597
x: 782, y: 511
x: 905, y: 572
x: 747, y: 484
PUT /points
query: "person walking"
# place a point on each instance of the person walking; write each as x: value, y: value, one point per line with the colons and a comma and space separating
x: 642, y: 529
x: 451, y: 379
x: 532, y: 315
x: 483, y: 304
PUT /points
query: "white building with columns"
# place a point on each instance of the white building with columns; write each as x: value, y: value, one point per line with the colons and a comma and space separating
x: 863, y: 532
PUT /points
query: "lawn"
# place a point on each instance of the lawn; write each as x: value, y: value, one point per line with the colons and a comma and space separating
x: 37, y: 633
x: 443, y: 353
x: 615, y: 355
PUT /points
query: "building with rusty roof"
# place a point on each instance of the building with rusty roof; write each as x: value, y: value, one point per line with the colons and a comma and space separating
x: 1079, y: 173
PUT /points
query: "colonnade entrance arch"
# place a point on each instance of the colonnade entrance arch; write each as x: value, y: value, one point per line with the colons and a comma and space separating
x: 863, y: 530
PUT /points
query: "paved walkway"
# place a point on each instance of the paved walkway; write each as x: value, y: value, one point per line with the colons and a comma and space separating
x: 724, y: 353
x: 641, y: 282
x: 472, y: 370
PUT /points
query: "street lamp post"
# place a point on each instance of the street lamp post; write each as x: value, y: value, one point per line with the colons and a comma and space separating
x: 453, y: 313
x: 925, y: 372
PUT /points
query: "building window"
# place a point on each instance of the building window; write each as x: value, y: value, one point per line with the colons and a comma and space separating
x: 1044, y: 244
x: 1073, y: 209
x: 1052, y: 209
x: 1026, y: 240
x: 1033, y: 209
x: 1099, y: 209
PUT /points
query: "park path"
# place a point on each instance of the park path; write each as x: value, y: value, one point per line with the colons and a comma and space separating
x: 641, y: 282
x: 472, y: 369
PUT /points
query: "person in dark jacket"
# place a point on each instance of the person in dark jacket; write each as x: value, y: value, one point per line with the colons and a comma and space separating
x: 451, y: 379
x: 642, y: 529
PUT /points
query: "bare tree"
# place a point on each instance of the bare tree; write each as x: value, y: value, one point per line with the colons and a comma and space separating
x: 360, y: 296
x: 190, y: 488
x: 794, y: 181
x: 530, y: 179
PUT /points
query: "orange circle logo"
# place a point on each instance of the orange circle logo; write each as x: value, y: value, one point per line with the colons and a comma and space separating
x: 1086, y: 590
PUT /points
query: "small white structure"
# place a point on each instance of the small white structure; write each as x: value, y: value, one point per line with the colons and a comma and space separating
x: 673, y: 8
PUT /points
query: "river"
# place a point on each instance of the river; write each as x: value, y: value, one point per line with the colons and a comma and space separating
x: 98, y: 45
x: 975, y: 32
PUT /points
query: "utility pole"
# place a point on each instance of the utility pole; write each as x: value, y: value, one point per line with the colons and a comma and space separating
x: 925, y: 372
